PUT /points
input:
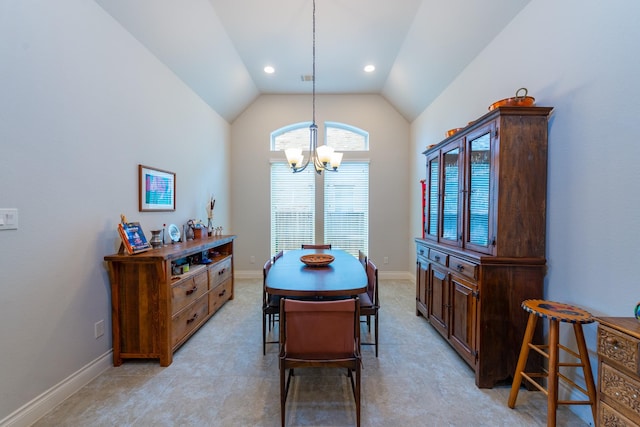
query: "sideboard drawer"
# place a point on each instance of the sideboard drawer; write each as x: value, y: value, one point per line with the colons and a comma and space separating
x: 219, y: 296
x: 619, y: 388
x: 619, y: 348
x: 422, y: 251
x: 439, y: 257
x: 186, y: 321
x: 219, y: 272
x: 185, y: 292
x: 607, y: 416
x: 463, y: 267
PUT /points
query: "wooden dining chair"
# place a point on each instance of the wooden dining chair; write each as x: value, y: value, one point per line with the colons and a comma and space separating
x: 276, y: 299
x: 370, y: 303
x: 319, y: 334
x: 310, y: 246
x: 362, y: 257
x: 270, y: 307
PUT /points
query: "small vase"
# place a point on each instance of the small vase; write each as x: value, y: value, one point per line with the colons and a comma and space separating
x: 156, y: 240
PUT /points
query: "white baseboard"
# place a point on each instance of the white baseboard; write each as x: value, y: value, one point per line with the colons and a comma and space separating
x: 32, y: 411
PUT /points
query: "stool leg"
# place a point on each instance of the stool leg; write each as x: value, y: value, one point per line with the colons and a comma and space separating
x: 522, y: 360
x: 552, y: 386
x: 586, y: 367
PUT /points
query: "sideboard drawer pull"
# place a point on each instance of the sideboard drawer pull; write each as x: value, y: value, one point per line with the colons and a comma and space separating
x: 612, y: 342
x: 193, y: 318
x: 192, y: 290
x: 224, y: 291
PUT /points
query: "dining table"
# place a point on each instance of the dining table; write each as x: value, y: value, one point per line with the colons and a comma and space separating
x: 290, y: 277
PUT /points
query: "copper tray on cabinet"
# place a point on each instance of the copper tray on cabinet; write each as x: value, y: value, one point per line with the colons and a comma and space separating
x: 516, y: 101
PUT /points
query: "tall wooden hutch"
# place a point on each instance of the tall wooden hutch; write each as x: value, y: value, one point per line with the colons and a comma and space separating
x: 483, y: 250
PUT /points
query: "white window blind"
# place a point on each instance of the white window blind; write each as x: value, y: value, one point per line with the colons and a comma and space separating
x: 292, y: 207
x: 346, y: 207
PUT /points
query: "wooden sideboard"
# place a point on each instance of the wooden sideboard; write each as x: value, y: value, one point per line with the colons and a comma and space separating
x: 618, y: 372
x: 156, y: 305
x: 483, y: 247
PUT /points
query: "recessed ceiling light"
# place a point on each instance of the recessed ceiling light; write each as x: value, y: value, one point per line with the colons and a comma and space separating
x: 369, y: 68
x: 269, y: 69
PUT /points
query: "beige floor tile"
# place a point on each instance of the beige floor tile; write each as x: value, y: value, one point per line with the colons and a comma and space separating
x: 220, y: 378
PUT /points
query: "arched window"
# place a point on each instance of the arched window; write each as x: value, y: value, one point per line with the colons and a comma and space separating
x: 343, y: 199
x: 291, y: 136
x: 344, y: 137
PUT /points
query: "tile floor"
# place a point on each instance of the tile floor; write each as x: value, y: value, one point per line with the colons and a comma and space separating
x: 220, y: 378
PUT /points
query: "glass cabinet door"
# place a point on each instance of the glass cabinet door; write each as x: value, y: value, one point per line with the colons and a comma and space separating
x: 479, y: 196
x: 452, y: 172
x: 432, y: 196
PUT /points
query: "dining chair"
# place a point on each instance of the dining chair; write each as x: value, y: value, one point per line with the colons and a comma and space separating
x: 276, y: 299
x: 270, y: 307
x: 369, y: 302
x: 319, y: 334
x: 362, y: 257
x: 311, y: 246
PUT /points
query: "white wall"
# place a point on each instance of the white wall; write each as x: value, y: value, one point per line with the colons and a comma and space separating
x: 581, y: 58
x: 82, y: 104
x: 388, y: 176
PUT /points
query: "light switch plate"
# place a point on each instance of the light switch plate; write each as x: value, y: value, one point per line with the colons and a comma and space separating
x: 8, y: 219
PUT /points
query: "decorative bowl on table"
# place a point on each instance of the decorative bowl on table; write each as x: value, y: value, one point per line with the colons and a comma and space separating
x: 317, y: 260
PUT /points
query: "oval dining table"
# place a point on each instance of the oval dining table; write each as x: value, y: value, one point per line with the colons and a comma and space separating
x: 289, y: 276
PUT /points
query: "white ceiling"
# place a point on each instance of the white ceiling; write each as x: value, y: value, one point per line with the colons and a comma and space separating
x: 220, y: 47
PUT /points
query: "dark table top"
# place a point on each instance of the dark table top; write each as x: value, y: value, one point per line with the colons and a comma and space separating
x: 289, y: 276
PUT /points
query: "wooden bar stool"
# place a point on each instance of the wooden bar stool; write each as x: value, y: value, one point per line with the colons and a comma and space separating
x: 556, y: 313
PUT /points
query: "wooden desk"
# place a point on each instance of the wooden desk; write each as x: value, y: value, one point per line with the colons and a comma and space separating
x: 290, y: 277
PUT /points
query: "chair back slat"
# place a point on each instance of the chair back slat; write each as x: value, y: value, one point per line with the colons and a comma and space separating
x: 372, y: 282
x: 312, y: 246
x: 362, y: 257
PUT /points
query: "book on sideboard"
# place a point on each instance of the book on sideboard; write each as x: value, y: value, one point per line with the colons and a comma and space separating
x: 133, y: 238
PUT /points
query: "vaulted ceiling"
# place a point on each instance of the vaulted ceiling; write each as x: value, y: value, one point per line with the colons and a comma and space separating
x: 219, y: 48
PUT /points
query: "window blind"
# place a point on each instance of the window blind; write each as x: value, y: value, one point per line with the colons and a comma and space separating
x: 292, y: 207
x: 346, y: 207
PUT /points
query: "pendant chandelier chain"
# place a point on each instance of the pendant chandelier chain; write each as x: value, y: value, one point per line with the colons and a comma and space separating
x: 313, y: 70
x: 323, y: 157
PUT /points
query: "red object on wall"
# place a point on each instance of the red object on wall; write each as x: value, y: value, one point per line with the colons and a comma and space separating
x: 423, y: 183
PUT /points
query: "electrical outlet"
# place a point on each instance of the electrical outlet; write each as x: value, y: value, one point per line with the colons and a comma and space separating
x: 386, y: 260
x: 99, y: 328
x: 252, y: 259
x: 8, y: 219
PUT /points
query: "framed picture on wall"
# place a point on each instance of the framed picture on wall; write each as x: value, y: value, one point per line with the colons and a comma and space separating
x: 157, y: 190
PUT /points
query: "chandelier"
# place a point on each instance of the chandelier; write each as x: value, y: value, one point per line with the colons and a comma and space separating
x: 322, y: 157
